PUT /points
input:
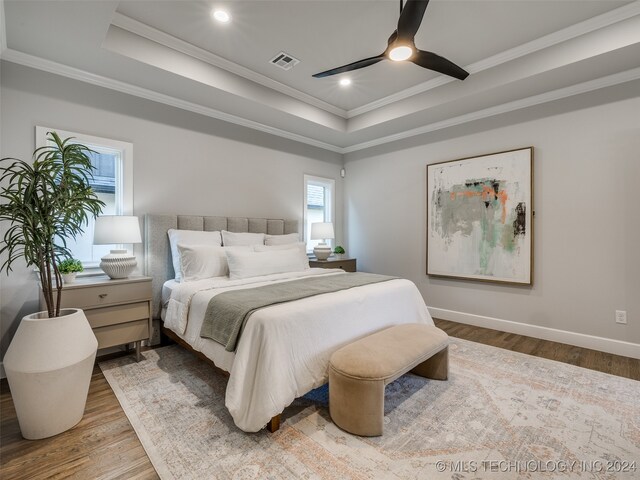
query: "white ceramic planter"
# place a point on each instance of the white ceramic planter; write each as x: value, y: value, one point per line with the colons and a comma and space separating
x: 69, y: 277
x: 49, y: 364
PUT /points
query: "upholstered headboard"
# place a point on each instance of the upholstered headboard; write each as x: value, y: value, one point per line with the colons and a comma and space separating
x: 158, y: 263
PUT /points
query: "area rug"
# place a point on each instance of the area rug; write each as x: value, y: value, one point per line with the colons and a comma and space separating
x: 500, y: 415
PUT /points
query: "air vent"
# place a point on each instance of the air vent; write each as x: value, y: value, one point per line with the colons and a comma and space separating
x: 284, y: 61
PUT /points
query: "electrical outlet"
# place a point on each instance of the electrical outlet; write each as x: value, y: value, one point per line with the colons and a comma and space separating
x: 621, y: 316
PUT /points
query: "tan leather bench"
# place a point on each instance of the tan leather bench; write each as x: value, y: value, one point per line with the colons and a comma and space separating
x: 359, y: 372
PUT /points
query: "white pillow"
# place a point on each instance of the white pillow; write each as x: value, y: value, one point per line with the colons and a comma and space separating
x: 281, y: 239
x: 255, y: 264
x: 301, y: 246
x: 189, y: 237
x: 231, y: 239
x: 202, y: 261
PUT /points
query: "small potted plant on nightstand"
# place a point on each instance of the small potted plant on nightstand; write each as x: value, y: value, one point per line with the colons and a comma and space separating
x: 69, y: 268
x: 50, y: 358
x: 339, y: 251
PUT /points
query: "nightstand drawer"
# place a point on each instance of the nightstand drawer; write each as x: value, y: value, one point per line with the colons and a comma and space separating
x: 104, y: 294
x: 100, y: 317
x: 118, y: 311
x: 346, y: 264
x: 122, y: 333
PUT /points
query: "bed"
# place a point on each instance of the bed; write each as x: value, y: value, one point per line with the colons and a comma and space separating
x: 284, y: 349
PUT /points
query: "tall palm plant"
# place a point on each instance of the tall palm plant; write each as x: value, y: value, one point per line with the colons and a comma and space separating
x: 47, y: 203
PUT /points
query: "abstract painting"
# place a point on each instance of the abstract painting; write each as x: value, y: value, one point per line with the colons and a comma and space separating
x: 479, y: 217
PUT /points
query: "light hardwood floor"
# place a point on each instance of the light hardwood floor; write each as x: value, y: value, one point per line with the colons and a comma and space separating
x: 104, y: 446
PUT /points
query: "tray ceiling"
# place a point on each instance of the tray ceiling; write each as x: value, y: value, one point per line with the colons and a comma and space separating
x: 172, y: 51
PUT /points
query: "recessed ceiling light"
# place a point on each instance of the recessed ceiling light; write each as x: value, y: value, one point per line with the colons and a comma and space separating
x: 345, y: 82
x: 400, y: 53
x: 221, y: 16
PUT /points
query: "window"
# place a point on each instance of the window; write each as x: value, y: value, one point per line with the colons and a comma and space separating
x: 319, y: 201
x: 112, y: 182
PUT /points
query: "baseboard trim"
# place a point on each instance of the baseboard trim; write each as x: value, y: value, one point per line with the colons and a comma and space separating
x: 608, y: 345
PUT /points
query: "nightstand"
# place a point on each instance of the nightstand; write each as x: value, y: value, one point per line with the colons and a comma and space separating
x: 119, y: 311
x: 346, y: 264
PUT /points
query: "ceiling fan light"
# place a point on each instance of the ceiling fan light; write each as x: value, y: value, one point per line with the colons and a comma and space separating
x: 400, y: 53
x: 221, y: 16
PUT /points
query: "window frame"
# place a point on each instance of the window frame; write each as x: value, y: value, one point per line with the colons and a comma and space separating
x: 330, y: 209
x: 124, y: 171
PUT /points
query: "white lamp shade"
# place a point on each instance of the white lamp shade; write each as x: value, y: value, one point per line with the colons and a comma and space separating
x: 321, y: 230
x: 116, y: 229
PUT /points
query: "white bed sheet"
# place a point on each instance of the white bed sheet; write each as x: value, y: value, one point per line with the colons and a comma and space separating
x: 284, y: 349
x: 167, y: 288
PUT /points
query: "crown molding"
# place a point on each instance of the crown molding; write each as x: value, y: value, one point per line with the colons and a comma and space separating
x: 587, y: 26
x: 77, y: 74
x: 32, y: 61
x: 584, y: 87
x: 158, y: 36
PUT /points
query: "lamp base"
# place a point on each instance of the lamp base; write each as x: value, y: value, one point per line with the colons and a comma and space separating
x: 118, y: 264
x: 322, y: 251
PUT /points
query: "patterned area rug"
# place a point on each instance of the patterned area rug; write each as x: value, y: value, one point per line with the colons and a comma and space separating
x: 500, y: 415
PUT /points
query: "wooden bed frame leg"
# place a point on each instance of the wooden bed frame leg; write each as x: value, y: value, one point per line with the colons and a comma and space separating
x: 274, y: 424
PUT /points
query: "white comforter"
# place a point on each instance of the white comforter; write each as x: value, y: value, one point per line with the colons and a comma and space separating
x: 284, y: 349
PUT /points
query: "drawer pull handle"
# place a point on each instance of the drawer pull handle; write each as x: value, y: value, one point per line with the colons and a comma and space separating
x: 103, y: 295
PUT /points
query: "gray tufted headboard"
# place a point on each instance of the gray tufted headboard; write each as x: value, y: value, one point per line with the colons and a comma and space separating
x: 158, y: 263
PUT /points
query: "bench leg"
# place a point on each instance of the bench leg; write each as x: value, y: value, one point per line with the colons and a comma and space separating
x: 274, y: 424
x: 436, y: 367
x: 356, y: 406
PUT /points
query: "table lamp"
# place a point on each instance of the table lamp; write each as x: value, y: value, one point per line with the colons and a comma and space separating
x: 117, y: 229
x: 322, y: 231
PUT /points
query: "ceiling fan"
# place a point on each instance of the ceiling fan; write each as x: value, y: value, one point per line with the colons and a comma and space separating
x: 401, y: 46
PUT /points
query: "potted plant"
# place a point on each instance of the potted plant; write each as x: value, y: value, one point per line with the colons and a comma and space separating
x: 69, y: 268
x: 338, y: 251
x: 50, y: 358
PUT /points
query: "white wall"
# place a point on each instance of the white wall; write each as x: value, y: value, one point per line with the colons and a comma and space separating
x: 587, y: 217
x: 183, y: 162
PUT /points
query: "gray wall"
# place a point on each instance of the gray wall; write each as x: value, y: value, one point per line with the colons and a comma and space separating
x: 183, y: 162
x: 587, y: 177
x: 587, y: 205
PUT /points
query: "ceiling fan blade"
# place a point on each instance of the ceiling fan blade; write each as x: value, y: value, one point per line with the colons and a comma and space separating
x: 352, y: 66
x: 393, y: 37
x: 439, y: 64
x: 410, y: 19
